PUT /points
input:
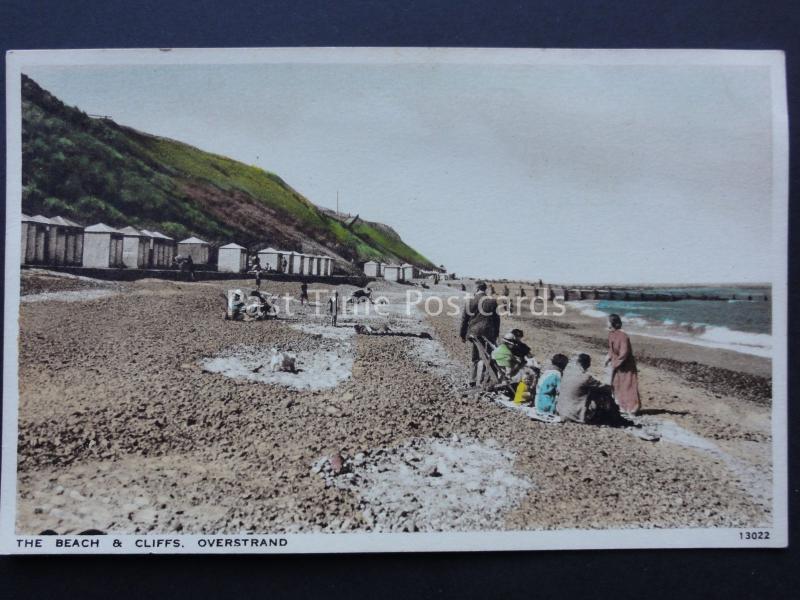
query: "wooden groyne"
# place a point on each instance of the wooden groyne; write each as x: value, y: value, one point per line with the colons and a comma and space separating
x: 570, y: 293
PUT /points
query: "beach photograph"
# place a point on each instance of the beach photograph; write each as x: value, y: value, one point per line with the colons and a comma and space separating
x: 396, y: 292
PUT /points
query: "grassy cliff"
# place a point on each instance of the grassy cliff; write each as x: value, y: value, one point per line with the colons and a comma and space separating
x: 92, y: 169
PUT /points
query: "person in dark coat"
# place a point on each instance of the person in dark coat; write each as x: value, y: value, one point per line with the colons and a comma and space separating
x: 479, y: 319
x: 333, y: 307
x: 256, y: 268
x: 303, y: 293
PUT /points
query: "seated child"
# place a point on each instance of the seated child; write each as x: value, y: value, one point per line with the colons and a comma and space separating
x: 549, y: 384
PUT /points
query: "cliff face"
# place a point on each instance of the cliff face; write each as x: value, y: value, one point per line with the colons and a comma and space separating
x: 92, y: 169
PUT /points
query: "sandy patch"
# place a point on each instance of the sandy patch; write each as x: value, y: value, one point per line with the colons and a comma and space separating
x: 69, y: 296
x: 431, y: 485
x: 317, y: 370
x: 327, y: 331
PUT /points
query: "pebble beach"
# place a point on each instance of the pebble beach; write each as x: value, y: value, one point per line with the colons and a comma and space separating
x: 142, y: 410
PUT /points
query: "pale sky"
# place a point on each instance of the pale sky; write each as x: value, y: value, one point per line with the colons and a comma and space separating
x: 585, y: 174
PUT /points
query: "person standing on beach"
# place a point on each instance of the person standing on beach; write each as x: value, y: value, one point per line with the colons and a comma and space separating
x: 303, y: 293
x: 333, y: 307
x: 624, y: 375
x: 480, y: 319
x: 256, y: 268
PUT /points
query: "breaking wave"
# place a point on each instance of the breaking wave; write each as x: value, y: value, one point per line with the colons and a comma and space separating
x: 699, y: 334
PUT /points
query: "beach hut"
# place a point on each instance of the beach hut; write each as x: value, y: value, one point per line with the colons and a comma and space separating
x: 393, y: 273
x: 319, y: 262
x: 372, y: 268
x: 161, y: 249
x: 297, y: 263
x: 66, y: 242
x: 135, y: 248
x: 35, y: 240
x: 313, y: 260
x: 196, y: 248
x: 329, y: 271
x: 271, y: 259
x: 308, y: 260
x: 102, y: 247
x: 409, y: 271
x: 232, y: 258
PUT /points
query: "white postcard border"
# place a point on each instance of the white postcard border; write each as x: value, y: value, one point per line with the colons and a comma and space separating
x: 10, y: 543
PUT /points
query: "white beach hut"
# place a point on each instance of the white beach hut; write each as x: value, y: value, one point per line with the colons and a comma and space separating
x: 297, y: 263
x: 196, y: 248
x: 102, y: 247
x: 308, y: 262
x: 372, y: 268
x: 135, y: 248
x: 162, y: 249
x: 318, y: 261
x: 35, y: 239
x: 23, y: 234
x: 409, y: 271
x: 66, y: 242
x: 393, y: 273
x: 232, y: 258
x: 271, y: 259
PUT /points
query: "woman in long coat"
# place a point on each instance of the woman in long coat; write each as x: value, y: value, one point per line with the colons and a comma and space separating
x: 624, y: 377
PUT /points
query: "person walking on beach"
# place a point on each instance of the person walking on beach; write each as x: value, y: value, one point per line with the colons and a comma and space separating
x: 480, y: 319
x: 303, y: 293
x: 333, y: 307
x: 624, y: 375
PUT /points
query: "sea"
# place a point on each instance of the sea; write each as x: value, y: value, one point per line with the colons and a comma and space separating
x: 740, y: 325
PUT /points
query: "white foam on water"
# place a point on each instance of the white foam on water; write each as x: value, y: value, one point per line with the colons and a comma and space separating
x: 697, y: 334
x: 69, y: 296
x: 317, y: 370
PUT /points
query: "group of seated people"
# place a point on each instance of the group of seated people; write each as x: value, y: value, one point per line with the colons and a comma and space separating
x: 564, y: 388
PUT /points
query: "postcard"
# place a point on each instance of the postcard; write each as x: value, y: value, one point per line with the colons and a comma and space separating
x: 304, y: 300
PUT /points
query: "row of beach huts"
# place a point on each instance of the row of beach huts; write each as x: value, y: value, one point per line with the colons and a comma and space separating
x: 404, y: 272
x: 58, y: 241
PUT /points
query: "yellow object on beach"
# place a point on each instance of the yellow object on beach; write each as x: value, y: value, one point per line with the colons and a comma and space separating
x: 519, y: 395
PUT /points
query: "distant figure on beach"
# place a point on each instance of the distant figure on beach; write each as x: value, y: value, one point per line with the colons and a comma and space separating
x: 521, y: 292
x: 303, y: 293
x: 284, y: 265
x: 584, y: 399
x: 463, y: 288
x: 256, y: 268
x: 480, y: 319
x: 185, y: 264
x: 624, y: 377
x: 506, y: 291
x: 549, y: 385
x: 491, y: 290
x: 359, y: 296
x: 333, y: 307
